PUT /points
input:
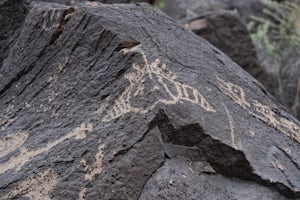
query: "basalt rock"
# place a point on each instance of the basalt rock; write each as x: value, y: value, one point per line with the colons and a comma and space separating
x: 120, y: 102
x: 12, y: 15
x: 225, y: 31
x: 220, y: 23
x: 14, y: 12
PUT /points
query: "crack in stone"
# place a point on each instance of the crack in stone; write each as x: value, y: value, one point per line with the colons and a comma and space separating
x: 224, y: 159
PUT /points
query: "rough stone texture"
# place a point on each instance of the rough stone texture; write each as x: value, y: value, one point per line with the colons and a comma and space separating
x: 117, y: 101
x: 12, y: 14
x: 223, y: 23
x: 225, y: 31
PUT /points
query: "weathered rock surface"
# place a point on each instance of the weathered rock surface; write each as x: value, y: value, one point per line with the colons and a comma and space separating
x: 223, y: 24
x: 12, y: 15
x: 14, y: 12
x: 225, y: 31
x: 120, y: 102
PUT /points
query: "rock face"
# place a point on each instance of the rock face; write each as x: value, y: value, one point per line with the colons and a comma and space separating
x: 12, y: 14
x: 120, y: 102
x: 223, y: 24
x: 225, y: 31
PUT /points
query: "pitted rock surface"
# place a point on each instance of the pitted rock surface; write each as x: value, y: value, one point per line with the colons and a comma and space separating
x: 120, y: 102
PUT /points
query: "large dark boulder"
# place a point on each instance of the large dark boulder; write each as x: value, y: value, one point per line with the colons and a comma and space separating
x: 223, y: 24
x: 14, y: 12
x: 120, y: 102
x: 225, y: 31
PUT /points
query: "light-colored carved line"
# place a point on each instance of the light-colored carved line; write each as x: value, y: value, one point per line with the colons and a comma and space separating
x: 265, y: 113
x: 138, y: 79
x: 92, y: 170
x: 278, y: 165
x: 50, y: 19
x: 96, y: 168
x: 25, y: 155
x: 186, y: 94
x: 82, y: 194
x: 179, y: 90
x: 230, y: 120
x: 12, y: 142
x: 36, y: 187
x: 173, y: 97
x: 60, y: 69
x: 261, y: 112
x: 228, y: 89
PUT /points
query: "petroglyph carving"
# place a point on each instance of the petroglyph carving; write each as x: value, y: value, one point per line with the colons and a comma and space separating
x: 232, y: 136
x: 60, y: 69
x: 93, y: 170
x: 289, y: 126
x: 17, y: 162
x: 235, y: 92
x: 96, y: 168
x: 259, y: 110
x: 49, y: 18
x: 265, y: 113
x: 162, y: 79
x: 35, y: 187
x: 82, y: 194
x: 277, y: 165
x: 12, y: 142
x: 4, y: 123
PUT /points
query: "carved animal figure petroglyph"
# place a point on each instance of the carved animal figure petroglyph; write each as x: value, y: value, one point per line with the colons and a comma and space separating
x: 162, y: 80
x: 259, y: 110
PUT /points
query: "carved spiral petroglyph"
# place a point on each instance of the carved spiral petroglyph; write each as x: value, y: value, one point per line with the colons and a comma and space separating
x: 259, y: 110
x: 162, y: 80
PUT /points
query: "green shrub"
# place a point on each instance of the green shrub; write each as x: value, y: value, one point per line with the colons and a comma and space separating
x: 280, y: 26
